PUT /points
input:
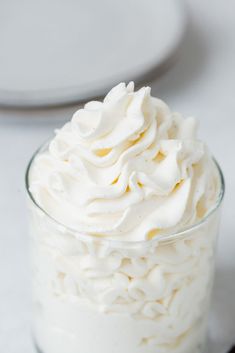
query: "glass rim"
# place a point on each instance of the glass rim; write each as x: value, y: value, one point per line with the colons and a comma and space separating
x: 125, y: 243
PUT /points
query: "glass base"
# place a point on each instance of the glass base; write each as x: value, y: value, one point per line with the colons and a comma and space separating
x: 204, y: 350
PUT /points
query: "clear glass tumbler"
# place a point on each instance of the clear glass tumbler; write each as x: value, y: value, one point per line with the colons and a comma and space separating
x: 94, y: 295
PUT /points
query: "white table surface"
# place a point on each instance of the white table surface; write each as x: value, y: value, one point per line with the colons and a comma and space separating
x: 201, y: 83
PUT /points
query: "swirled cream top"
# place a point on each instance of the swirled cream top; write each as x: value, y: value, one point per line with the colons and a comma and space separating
x: 126, y: 168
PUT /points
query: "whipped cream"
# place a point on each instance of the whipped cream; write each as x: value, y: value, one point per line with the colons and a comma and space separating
x: 126, y: 168
x: 102, y: 298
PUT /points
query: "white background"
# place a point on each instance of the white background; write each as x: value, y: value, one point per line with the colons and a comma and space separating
x: 201, y: 83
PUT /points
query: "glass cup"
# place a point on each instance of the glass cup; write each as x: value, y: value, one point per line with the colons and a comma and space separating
x: 94, y: 295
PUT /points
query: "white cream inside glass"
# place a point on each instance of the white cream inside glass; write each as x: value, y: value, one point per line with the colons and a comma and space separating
x: 111, y: 187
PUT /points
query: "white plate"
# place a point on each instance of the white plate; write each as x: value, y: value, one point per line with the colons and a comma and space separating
x: 56, y: 52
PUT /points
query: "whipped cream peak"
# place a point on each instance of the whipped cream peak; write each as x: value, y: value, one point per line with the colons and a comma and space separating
x: 126, y: 168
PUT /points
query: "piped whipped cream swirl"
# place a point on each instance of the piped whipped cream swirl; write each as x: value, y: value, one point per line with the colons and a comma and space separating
x: 126, y: 168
